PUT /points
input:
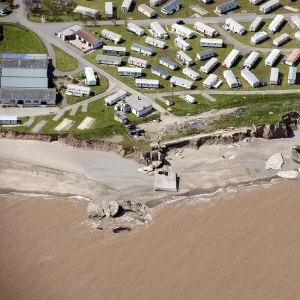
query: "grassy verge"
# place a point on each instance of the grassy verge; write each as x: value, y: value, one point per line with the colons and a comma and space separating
x: 64, y: 61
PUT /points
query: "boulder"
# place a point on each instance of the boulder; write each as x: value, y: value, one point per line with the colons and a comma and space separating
x: 275, y: 162
x: 272, y: 131
x: 288, y: 174
x: 94, y: 210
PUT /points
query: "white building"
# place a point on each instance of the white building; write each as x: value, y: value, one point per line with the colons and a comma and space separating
x: 269, y: 6
x: 131, y: 72
x: 147, y: 83
x: 205, y: 29
x: 190, y: 73
x: 255, y: 24
x: 182, y: 31
x: 157, y: 2
x: 168, y: 63
x: 8, y: 120
x: 226, y: 7
x: 184, y: 59
x: 114, y: 51
x: 292, y: 76
x: 189, y: 99
x: 274, y: 76
x: 111, y: 36
x: 297, y: 35
x: 77, y: 90
x: 114, y: 98
x: 292, y: 59
x: 86, y: 11
x: 234, y: 26
x: 282, y: 39
x: 139, y: 106
x: 109, y: 10
x: 146, y: 10
x: 137, y: 30
x: 68, y: 33
x: 250, y: 78
x: 256, y: 1
x: 209, y: 66
x: 171, y: 7
x: 109, y: 60
x: 276, y: 23
x: 158, y: 31
x: 295, y: 20
x: 212, y: 81
x: 126, y: 5
x: 272, y: 57
x: 251, y: 59
x: 206, y: 54
x: 182, y: 44
x: 214, y: 43
x: 231, y: 79
x: 137, y: 62
x: 142, y: 49
x: 231, y: 58
x: 159, y: 72
x: 177, y: 81
x: 154, y: 42
x: 259, y: 37
x: 90, y: 77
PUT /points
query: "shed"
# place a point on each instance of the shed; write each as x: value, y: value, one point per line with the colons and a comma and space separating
x: 231, y: 58
x: 182, y: 44
x: 272, y: 57
x: 250, y: 77
x: 177, y: 81
x: 259, y: 37
x: 276, y: 23
x: 171, y: 7
x: 255, y: 24
x: 160, y: 72
x: 282, y: 39
x: 90, y: 77
x: 251, y: 59
x: 292, y: 75
x: 231, y: 80
x: 215, y: 43
x: 205, y: 29
x: 226, y: 7
x: 274, y: 76
x: 206, y: 54
x: 189, y: 99
x: 210, y: 65
x: 269, y: 6
x: 191, y: 73
x: 109, y: 60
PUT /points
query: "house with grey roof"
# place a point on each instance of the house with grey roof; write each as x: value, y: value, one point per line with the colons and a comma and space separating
x: 171, y: 7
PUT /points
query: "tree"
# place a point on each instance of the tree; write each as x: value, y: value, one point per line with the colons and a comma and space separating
x: 10, y: 3
x: 28, y: 5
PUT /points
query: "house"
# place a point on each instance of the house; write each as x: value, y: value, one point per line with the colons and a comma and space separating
x: 189, y: 99
x: 4, y: 9
x: 231, y: 58
x: 77, y: 90
x: 142, y: 49
x: 138, y: 105
x: 88, y: 38
x: 274, y: 76
x: 90, y: 77
x: 160, y: 72
x: 114, y: 98
x: 154, y: 42
x: 68, y: 33
x: 251, y: 59
x: 146, y: 10
x: 182, y: 31
x: 137, y: 62
x: 109, y: 10
x: 120, y: 117
x: 255, y: 24
x: 168, y: 63
x: 137, y: 30
x: 234, y: 26
x: 147, y: 83
x: 8, y: 120
x: 269, y: 6
x: 206, y: 54
x: 297, y: 35
x: 231, y: 80
x: 275, y: 24
x: 190, y: 73
x: 171, y: 7
x: 226, y: 7
x: 292, y: 75
x: 114, y: 51
x: 272, y: 57
x: 256, y: 1
x: 295, y: 20
x: 210, y: 65
x: 86, y: 11
x: 131, y: 72
x: 250, y: 77
x: 111, y: 36
x: 158, y: 31
x: 109, y: 60
x: 126, y: 5
x: 177, y: 81
x: 182, y: 44
x: 184, y: 59
x: 259, y: 37
x: 215, y: 43
x: 292, y: 58
x: 157, y: 2
x: 282, y: 39
x: 212, y: 81
x: 205, y: 29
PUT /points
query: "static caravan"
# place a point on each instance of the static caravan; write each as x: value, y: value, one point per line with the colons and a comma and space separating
x: 109, y: 10
x: 8, y: 120
x: 137, y: 30
x: 77, y: 90
x: 212, y: 81
x: 126, y: 5
x: 168, y: 63
x: 157, y: 2
x: 158, y: 31
x: 146, y: 10
x: 272, y: 57
x: 259, y: 37
x: 231, y: 80
x: 114, y: 51
x: 210, y: 65
x: 182, y: 31
x: 256, y: 1
x: 215, y: 43
x: 282, y: 39
x: 109, y: 60
x: 182, y: 44
x: 234, y: 26
x: 184, y: 59
x: 297, y: 35
x: 292, y: 75
x: 251, y: 59
x: 147, y: 83
x: 231, y: 58
x: 137, y: 62
x: 206, y: 54
x: 189, y: 99
x: 255, y: 24
x: 171, y: 7
x: 177, y: 81
x: 205, y: 29
x: 250, y: 78
x: 131, y: 72
x: 269, y: 6
x: 114, y: 98
x: 295, y: 20
x: 86, y: 11
x: 160, y: 72
x: 154, y: 42
x: 274, y: 76
x: 111, y: 36
x: 191, y: 73
x: 142, y: 49
x: 226, y: 7
x: 275, y: 24
x: 292, y: 58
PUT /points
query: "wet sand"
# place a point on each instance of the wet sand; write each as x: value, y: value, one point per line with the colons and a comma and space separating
x: 241, y: 245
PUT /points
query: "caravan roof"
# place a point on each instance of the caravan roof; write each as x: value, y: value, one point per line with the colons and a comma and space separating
x: 272, y: 57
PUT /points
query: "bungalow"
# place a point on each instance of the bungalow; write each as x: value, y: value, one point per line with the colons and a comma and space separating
x: 77, y: 90
x: 90, y: 77
x: 137, y: 62
x: 171, y: 7
x: 177, y: 81
x: 86, y: 11
x: 139, y: 106
x: 184, y: 59
x: 292, y: 58
x: 8, y: 120
x: 160, y: 72
x: 126, y: 5
x: 206, y: 54
x: 111, y: 36
x: 209, y: 66
x: 182, y: 44
x: 191, y: 73
x: 120, y: 117
x: 158, y: 31
x: 154, y: 42
x: 114, y: 51
x: 146, y: 10
x: 131, y: 72
x: 109, y: 10
x: 87, y: 37
x: 114, y: 98
x: 226, y: 7
x: 147, y: 83
x: 109, y: 60
x: 142, y: 49
x: 168, y: 63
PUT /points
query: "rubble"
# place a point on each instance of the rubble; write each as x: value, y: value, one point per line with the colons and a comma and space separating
x: 275, y: 162
x: 228, y: 155
x: 288, y: 174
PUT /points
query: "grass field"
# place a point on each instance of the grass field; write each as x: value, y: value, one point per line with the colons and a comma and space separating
x: 19, y: 39
x: 64, y: 61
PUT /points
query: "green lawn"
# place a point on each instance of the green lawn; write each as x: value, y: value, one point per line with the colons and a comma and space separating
x: 64, y: 61
x: 19, y: 39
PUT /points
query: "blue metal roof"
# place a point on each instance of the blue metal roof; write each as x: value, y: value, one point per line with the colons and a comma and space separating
x: 24, y: 56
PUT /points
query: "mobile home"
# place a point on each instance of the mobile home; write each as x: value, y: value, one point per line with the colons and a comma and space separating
x: 182, y: 31
x: 177, y: 81
x: 206, y: 54
x: 137, y: 62
x: 274, y: 76
x: 259, y: 37
x: 212, y: 81
x: 214, y: 43
x: 158, y: 31
x: 256, y: 1
x: 272, y: 57
x: 226, y: 7
x: 171, y: 7
x: 137, y: 30
x: 269, y: 6
x: 146, y: 10
x: 147, y: 83
x: 154, y: 42
x: 157, y: 2
x: 190, y: 73
x: 189, y: 99
x: 142, y: 49
x: 109, y: 10
x: 282, y: 39
x: 250, y: 78
x: 205, y: 29
x: 182, y: 44
x: 292, y: 59
x: 231, y: 80
x: 77, y: 90
x: 131, y: 72
x: 234, y: 26
x: 209, y: 66
x: 160, y: 72
x: 126, y: 5
x: 295, y: 20
x: 111, y: 36
x: 114, y: 51
x: 114, y: 98
x: 251, y: 59
x: 275, y: 24
x: 297, y: 35
x: 184, y: 59
x: 255, y: 24
x: 109, y: 60
x: 231, y: 58
x: 90, y: 77
x: 168, y: 63
x: 292, y: 75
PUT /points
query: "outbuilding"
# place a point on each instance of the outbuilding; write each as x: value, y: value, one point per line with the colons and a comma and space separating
x: 183, y: 31
x: 90, y: 77
x: 171, y: 7
x: 274, y: 76
x: 109, y: 10
x: 184, y: 59
x: 206, y: 54
x: 205, y: 29
x: 295, y: 20
x: 269, y: 6
x: 231, y: 58
x: 251, y: 59
x: 158, y: 31
x: 177, y: 81
x: 275, y: 24
x: 272, y: 57
x: 231, y: 79
x: 212, y: 81
x: 111, y: 36
x: 191, y: 73
x: 142, y: 49
x: 234, y: 26
x: 130, y: 72
x: 292, y: 75
x: 109, y: 60
x: 215, y: 43
x: 154, y: 42
x: 114, y: 51
x: 255, y: 24
x: 147, y: 83
x: 259, y: 37
x: 168, y: 63
x: 250, y: 78
x: 114, y: 98
x: 226, y: 7
x: 182, y: 44
x: 146, y: 10
x: 209, y: 66
x: 77, y: 90
x: 133, y: 28
x: 160, y: 72
x: 126, y: 5
x: 137, y: 62
x: 292, y: 59
x: 282, y: 39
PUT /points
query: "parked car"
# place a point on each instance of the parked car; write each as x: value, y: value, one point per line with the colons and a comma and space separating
x: 180, y: 22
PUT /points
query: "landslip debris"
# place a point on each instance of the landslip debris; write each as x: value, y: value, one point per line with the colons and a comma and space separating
x: 295, y: 153
x: 288, y: 174
x: 275, y: 162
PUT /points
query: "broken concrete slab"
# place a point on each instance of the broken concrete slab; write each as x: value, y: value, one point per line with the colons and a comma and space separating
x: 275, y: 162
x: 29, y: 122
x: 288, y: 174
x: 66, y: 124
x: 84, y: 107
x: 58, y: 116
x: 74, y: 110
x: 228, y: 155
x: 165, y: 180
x: 39, y: 126
x: 86, y: 123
